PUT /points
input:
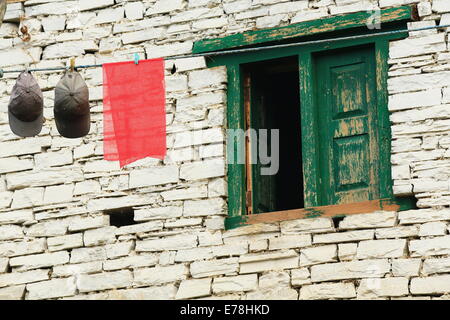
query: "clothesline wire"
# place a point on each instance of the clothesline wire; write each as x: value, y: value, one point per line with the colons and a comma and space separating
x: 245, y: 50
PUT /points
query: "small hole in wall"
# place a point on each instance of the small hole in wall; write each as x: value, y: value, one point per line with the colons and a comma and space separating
x: 121, y: 217
x: 337, y: 220
x: 174, y: 69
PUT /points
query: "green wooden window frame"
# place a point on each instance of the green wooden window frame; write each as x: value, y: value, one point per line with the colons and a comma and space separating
x: 351, y: 24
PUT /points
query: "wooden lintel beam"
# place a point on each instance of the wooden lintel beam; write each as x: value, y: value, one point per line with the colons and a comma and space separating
x: 307, y: 28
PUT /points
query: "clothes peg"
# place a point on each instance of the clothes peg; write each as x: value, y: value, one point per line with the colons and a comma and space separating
x: 136, y: 58
x: 72, y: 65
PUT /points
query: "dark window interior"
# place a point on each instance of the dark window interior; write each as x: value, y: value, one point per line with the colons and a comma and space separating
x: 121, y: 217
x: 278, y: 82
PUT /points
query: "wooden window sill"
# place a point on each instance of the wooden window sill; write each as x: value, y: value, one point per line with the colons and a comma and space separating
x: 397, y: 204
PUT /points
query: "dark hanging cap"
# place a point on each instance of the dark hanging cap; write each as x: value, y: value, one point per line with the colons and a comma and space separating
x: 26, y: 106
x: 72, y: 114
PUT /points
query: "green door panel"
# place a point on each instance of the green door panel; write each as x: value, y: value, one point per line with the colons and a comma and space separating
x: 347, y: 119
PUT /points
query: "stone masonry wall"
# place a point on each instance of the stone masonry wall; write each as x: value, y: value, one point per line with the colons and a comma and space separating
x: 56, y: 240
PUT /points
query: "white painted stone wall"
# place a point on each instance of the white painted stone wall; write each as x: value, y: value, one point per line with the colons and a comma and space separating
x: 56, y: 242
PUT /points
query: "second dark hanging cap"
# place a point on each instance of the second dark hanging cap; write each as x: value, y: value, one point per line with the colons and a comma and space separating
x: 72, y: 113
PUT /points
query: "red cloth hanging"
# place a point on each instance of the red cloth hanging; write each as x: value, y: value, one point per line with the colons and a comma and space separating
x: 134, y: 112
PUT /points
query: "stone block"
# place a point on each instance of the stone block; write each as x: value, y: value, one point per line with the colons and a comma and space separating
x: 430, y: 247
x: 68, y: 270
x: 194, y: 288
x: 105, y: 281
x: 202, y: 170
x: 388, y: 287
x: 300, y: 277
x: 252, y: 263
x: 200, y: 269
x: 16, y: 278
x: 38, y: 261
x: 65, y: 242
x: 98, y: 237
x: 12, y: 293
x: 177, y: 242
x: 10, y: 232
x: 160, y: 275
x: 240, y: 283
x: 317, y: 255
x: 350, y: 270
x: 14, y: 249
x: 369, y: 220
x: 290, y: 241
x: 55, y: 288
x: 132, y: 262
x: 166, y: 292
x: 80, y: 255
x: 371, y: 249
x: 325, y: 291
x: 349, y: 236
x: 153, y: 176
x: 430, y: 285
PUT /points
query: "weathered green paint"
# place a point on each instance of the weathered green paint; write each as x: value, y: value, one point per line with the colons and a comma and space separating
x: 235, y: 119
x: 250, y: 57
x: 346, y: 110
x: 384, y: 125
x: 308, y: 28
x: 310, y: 130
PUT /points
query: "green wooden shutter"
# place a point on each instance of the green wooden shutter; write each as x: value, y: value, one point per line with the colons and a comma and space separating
x: 347, y: 120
